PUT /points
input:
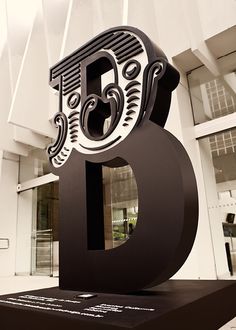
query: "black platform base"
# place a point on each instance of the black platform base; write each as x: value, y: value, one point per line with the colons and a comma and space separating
x: 173, y: 305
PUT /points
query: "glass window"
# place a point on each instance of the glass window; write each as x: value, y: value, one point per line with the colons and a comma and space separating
x: 44, y: 258
x: 218, y: 153
x: 34, y: 165
x: 213, y: 97
x: 120, y: 205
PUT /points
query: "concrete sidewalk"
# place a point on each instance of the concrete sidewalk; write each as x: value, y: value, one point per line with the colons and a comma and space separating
x: 14, y: 284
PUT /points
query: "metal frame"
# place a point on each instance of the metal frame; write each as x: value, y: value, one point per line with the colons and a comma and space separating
x: 215, y: 126
x: 36, y: 182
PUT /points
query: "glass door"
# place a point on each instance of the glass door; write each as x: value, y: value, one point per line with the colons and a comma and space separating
x: 44, y: 244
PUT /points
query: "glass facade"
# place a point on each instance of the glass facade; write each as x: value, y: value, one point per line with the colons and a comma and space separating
x: 223, y: 144
x: 213, y: 97
x: 219, y: 165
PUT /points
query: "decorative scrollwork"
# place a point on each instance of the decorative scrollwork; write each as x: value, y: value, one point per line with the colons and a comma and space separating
x: 60, y: 121
x: 155, y: 71
x: 96, y: 110
x: 73, y: 100
x: 113, y: 91
x: 131, y: 69
x: 97, y: 116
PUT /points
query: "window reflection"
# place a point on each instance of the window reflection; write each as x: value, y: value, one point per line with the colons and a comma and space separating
x: 213, y: 97
x: 36, y: 164
x: 120, y: 205
x: 219, y: 165
x: 45, y: 235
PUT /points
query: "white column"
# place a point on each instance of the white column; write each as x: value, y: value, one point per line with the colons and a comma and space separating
x: 8, y: 211
x: 24, y: 230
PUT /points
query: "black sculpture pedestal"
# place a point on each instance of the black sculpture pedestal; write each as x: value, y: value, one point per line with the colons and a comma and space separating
x: 175, y: 304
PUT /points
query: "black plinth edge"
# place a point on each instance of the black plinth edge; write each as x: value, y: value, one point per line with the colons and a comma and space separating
x: 175, y: 304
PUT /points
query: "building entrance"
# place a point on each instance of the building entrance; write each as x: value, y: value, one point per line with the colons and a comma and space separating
x: 44, y: 242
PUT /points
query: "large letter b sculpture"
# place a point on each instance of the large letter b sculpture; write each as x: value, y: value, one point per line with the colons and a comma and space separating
x: 136, y: 101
